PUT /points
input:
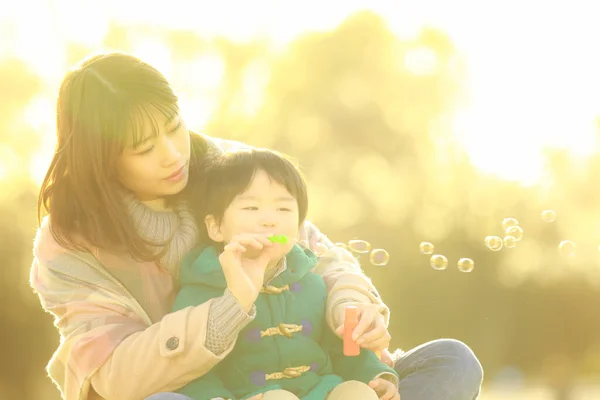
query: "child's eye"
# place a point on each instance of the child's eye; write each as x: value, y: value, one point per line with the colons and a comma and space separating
x: 284, y: 209
x: 250, y: 208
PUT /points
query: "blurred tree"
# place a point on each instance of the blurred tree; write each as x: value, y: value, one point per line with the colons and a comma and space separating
x: 369, y: 117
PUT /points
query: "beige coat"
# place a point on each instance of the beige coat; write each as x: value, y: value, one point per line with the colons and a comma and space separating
x: 107, y: 336
x: 105, y: 331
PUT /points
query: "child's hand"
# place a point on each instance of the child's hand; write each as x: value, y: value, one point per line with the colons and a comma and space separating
x: 244, y: 260
x: 386, y: 390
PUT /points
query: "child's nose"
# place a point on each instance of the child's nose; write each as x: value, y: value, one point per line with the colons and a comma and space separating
x: 268, y: 224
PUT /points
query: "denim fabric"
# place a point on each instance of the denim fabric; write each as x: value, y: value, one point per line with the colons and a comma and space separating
x: 443, y: 369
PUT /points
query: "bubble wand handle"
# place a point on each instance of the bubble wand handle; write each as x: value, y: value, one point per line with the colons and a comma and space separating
x: 351, y: 348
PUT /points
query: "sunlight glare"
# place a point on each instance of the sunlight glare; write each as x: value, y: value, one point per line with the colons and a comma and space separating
x: 76, y: 29
x: 518, y: 104
x: 529, y: 90
x: 11, y: 163
x: 43, y: 53
x: 38, y: 165
x: 204, y: 74
x: 256, y: 77
x: 421, y: 61
x: 197, y: 111
x: 156, y: 53
x: 40, y: 114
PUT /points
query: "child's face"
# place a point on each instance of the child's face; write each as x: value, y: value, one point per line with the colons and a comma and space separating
x: 265, y: 207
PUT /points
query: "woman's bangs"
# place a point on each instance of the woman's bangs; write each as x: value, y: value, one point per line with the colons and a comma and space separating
x: 142, y: 122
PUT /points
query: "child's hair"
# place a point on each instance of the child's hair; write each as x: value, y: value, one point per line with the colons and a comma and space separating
x: 101, y: 104
x: 228, y: 174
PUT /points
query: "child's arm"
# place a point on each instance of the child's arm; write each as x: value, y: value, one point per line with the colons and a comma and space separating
x: 364, y: 367
x: 209, y: 385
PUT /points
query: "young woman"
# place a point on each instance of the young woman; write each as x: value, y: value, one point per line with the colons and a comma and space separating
x: 107, y: 255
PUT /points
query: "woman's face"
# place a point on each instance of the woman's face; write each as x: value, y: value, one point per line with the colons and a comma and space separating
x: 158, y: 166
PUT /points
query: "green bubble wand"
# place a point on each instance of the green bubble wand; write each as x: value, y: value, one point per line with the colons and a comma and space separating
x: 281, y: 239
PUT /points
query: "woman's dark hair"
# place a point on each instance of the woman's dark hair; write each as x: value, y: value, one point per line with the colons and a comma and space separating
x: 102, y: 103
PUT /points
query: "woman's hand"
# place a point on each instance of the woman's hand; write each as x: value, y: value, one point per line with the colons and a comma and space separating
x: 371, y: 332
x: 244, y: 260
x: 386, y: 390
x: 386, y: 358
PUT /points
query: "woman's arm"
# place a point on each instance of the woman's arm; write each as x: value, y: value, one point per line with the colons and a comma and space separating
x: 161, y: 358
x: 346, y: 283
x: 107, y: 346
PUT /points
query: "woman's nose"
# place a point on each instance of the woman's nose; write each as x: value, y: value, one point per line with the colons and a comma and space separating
x: 171, y: 153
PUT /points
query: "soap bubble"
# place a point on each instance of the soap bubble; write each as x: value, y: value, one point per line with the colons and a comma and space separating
x: 548, y: 216
x: 494, y: 243
x: 567, y: 248
x: 438, y: 262
x: 426, y: 248
x: 379, y: 257
x: 516, y: 232
x: 508, y: 222
x: 359, y: 246
x: 465, y: 265
x: 510, y: 242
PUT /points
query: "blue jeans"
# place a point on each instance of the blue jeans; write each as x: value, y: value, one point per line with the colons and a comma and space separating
x: 443, y: 369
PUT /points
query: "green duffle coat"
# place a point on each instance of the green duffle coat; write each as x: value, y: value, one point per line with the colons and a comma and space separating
x: 287, y: 346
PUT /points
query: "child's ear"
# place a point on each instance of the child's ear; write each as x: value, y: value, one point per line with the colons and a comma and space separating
x: 213, y: 229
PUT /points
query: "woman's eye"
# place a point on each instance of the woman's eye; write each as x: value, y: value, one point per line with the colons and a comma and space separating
x: 174, y: 130
x: 284, y: 209
x: 251, y: 208
x: 148, y: 150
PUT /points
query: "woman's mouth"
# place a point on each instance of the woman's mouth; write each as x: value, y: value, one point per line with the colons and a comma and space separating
x: 177, y: 175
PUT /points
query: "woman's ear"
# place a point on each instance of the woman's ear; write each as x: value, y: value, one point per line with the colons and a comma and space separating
x: 213, y: 229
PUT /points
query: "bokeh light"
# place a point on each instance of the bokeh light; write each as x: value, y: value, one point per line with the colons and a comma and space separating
x: 413, y: 123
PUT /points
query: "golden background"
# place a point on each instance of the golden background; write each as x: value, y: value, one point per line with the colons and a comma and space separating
x: 431, y: 121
